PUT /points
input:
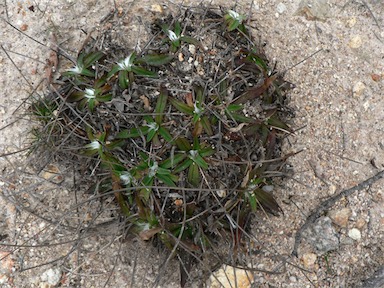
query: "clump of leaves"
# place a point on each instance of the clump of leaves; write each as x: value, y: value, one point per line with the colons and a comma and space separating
x: 208, y: 150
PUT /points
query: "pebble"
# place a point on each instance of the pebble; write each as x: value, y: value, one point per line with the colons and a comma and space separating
x: 340, y: 217
x: 355, y: 42
x: 228, y: 276
x: 51, y: 277
x: 281, y: 8
x: 322, y: 236
x: 358, y: 89
x: 355, y: 234
x: 309, y: 260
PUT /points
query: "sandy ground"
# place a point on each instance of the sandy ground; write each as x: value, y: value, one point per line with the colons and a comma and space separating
x: 339, y: 106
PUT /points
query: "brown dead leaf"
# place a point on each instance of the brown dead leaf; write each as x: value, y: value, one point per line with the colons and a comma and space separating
x: 148, y: 234
x: 53, y: 60
x: 189, y: 99
x: 147, y: 106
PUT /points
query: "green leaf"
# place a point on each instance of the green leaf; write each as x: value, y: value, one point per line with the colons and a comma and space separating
x: 191, y: 40
x: 76, y: 96
x: 206, y: 125
x: 183, y: 144
x: 234, y: 107
x: 165, y: 134
x: 151, y: 134
x: 91, y: 104
x: 267, y: 201
x: 157, y: 59
x: 114, y: 70
x: 182, y: 107
x: 194, y: 176
x: 276, y: 122
x: 199, y: 160
x: 173, y: 161
x: 205, y: 152
x: 240, y: 118
x: 132, y: 133
x: 160, y: 105
x: 91, y: 58
x: 252, y: 201
x: 104, y: 98
x: 184, y: 165
x: 177, y: 28
x: 143, y: 72
x: 166, y: 178
x: 123, y: 79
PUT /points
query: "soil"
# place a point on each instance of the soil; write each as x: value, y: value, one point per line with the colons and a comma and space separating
x: 338, y: 102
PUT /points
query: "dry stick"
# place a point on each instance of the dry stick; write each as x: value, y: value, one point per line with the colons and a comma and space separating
x: 329, y: 203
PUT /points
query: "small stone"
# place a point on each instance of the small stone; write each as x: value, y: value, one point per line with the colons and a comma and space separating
x: 355, y: 234
x: 360, y: 223
x: 351, y: 22
x: 281, y: 8
x: 228, y: 276
x: 51, y: 276
x: 309, y: 260
x: 358, y: 89
x: 52, y: 173
x: 181, y: 57
x: 156, y: 8
x: 322, y: 236
x: 355, y: 42
x: 375, y: 77
x: 340, y: 217
x: 192, y: 49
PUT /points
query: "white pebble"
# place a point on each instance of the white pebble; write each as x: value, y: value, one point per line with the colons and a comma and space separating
x: 355, y: 234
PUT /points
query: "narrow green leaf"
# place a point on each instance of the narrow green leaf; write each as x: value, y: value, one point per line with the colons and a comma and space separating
x: 166, y: 179
x: 276, y: 122
x: 151, y: 134
x: 267, y: 201
x: 191, y: 40
x: 194, y: 176
x: 143, y: 72
x: 173, y: 161
x: 123, y: 79
x: 91, y: 104
x: 240, y: 118
x: 200, y: 161
x: 177, y: 28
x: 76, y: 96
x: 182, y: 107
x: 206, y: 152
x: 234, y: 107
x: 206, y: 125
x: 132, y: 133
x: 184, y: 165
x: 252, y: 201
x: 157, y: 59
x: 165, y: 134
x: 114, y: 70
x: 160, y: 105
x: 183, y: 144
x: 91, y: 58
x: 104, y: 98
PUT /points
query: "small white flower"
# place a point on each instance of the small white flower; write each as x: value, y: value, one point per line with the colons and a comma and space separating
x: 76, y: 69
x: 172, y: 36
x: 193, y: 153
x: 236, y: 16
x: 153, y: 126
x: 94, y: 145
x: 127, y: 178
x: 126, y: 64
x: 89, y: 93
x: 153, y: 169
x: 197, y: 110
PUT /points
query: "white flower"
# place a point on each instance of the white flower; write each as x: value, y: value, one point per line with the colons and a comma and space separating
x: 94, y: 145
x: 89, y: 93
x: 126, y: 64
x: 153, y: 169
x: 76, y: 69
x: 193, y: 153
x: 236, y: 16
x: 127, y: 178
x: 153, y: 126
x: 172, y: 36
x: 197, y: 110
